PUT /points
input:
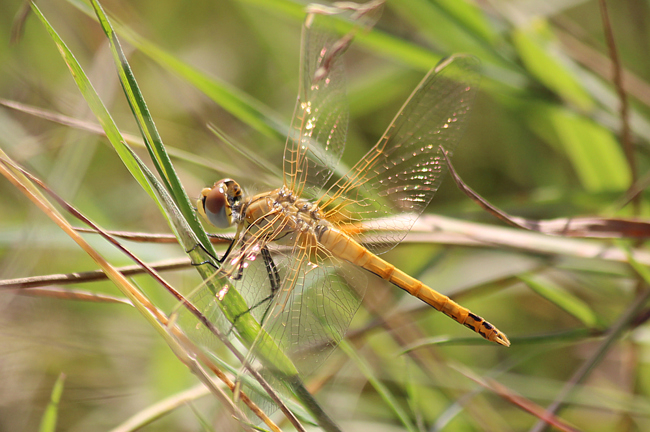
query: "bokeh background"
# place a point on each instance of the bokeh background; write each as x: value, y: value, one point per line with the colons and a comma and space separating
x: 544, y: 141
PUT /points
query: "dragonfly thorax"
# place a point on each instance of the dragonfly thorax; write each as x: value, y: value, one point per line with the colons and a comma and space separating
x: 283, y: 215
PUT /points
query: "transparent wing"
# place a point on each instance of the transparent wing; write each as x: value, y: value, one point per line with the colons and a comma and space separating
x: 317, y: 135
x: 306, y: 315
x: 398, y: 177
x: 311, y: 309
x: 254, y: 283
x: 303, y: 296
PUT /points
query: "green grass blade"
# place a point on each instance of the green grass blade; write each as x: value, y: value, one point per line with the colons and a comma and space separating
x: 383, y: 391
x: 247, y: 109
x: 96, y: 105
x: 234, y: 305
x: 135, y: 166
x: 48, y: 422
x: 592, y: 149
x: 241, y: 105
x: 472, y: 18
x: 375, y: 40
x: 450, y: 30
x: 563, y: 299
x: 147, y: 126
x: 539, y: 60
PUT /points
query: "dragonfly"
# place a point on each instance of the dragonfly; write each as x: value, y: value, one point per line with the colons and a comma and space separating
x: 298, y: 255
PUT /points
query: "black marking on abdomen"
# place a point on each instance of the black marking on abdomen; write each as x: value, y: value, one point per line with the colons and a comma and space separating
x: 487, y: 325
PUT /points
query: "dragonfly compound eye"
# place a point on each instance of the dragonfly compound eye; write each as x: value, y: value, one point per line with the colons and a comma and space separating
x: 215, y: 204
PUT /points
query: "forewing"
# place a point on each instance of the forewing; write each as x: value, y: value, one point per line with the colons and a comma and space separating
x: 397, y: 178
x: 318, y: 130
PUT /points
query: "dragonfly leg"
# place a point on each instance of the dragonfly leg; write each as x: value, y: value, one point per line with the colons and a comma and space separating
x: 223, y: 257
x: 274, y: 280
x: 208, y: 261
x: 272, y: 270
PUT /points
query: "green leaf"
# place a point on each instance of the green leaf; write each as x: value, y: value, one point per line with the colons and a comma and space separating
x: 236, y: 102
x: 562, y: 299
x: 454, y: 29
x: 92, y: 98
x: 239, y: 104
x: 592, y: 149
x: 374, y: 40
x: 48, y: 422
x: 233, y: 305
x: 379, y: 387
x: 471, y: 17
x: 535, y: 45
x: 135, y: 166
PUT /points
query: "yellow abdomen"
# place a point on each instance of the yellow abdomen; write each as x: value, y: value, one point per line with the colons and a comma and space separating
x: 346, y: 248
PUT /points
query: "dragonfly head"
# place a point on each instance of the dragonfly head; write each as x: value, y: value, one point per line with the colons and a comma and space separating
x: 218, y: 202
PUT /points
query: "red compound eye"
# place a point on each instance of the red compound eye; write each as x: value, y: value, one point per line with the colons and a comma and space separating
x: 214, y: 204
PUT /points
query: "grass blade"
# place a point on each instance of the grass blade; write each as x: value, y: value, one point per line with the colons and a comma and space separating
x: 383, y: 391
x: 48, y: 422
